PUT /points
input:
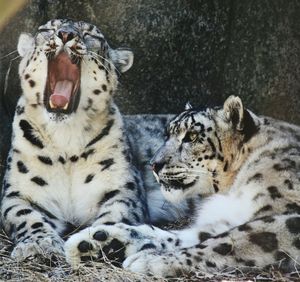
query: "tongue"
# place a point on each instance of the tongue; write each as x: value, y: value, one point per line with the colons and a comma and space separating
x: 61, y: 94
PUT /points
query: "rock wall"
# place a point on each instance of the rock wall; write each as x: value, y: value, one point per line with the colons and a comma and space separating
x: 185, y: 50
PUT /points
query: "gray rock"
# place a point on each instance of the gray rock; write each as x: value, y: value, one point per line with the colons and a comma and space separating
x: 196, y: 50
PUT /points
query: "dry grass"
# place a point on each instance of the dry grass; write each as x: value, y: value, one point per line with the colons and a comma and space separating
x: 41, y: 269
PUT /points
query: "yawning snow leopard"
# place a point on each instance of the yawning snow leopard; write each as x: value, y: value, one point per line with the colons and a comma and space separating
x: 248, y: 170
x: 70, y: 166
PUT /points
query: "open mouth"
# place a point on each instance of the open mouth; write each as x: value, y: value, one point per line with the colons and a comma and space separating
x: 62, y: 90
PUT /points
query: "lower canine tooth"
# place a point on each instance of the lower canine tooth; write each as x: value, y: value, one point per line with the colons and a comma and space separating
x: 52, y: 106
x: 66, y: 106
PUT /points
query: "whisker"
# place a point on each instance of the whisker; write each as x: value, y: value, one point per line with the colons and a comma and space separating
x: 98, y: 55
x: 7, y: 74
x: 8, y: 54
x: 101, y: 63
x: 197, y: 171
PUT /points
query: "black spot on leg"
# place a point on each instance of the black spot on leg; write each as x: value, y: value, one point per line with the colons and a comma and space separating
x: 19, y: 110
x: 23, y: 212
x: 39, y: 181
x: 22, y: 167
x: 37, y: 225
x: 49, y: 222
x: 21, y: 226
x: 28, y: 133
x: 223, y: 249
x: 109, y: 223
x: 105, y: 131
x: 292, y: 208
x: 274, y: 193
x: 22, y: 234
x: 88, y: 153
x: 107, y: 196
x: 8, y: 210
x: 293, y: 225
x: 264, y: 209
x: 256, y: 177
x: 216, y: 188
x: 126, y: 221
x: 61, y: 160
x: 31, y: 83
x: 106, y: 163
x: 200, y: 246
x: 267, y: 241
x: 104, y: 87
x: 89, y: 178
x: 130, y: 186
x: 210, y: 264
x: 103, y: 214
x: 42, y: 210
x: 45, y: 160
x: 74, y: 158
x: 13, y: 194
x: 289, y: 184
x: 222, y: 235
x: 6, y: 186
x: 204, y: 236
x: 188, y: 262
x: 245, y: 227
x: 97, y: 91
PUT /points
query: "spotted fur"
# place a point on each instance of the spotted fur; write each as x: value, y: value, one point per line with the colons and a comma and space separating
x: 247, y: 169
x: 70, y: 165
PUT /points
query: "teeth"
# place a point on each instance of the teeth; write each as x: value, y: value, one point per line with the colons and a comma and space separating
x: 52, y: 106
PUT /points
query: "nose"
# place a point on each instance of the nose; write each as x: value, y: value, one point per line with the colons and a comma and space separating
x: 157, y: 167
x: 65, y: 36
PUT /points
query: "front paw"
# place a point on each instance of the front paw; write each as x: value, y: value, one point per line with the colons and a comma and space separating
x: 46, y: 246
x: 114, y: 242
x: 152, y: 262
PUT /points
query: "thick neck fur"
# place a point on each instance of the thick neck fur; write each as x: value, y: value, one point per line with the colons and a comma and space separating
x: 71, y: 134
x: 235, y: 152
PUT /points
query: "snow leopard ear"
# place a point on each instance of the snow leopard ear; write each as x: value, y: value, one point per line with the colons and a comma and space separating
x: 122, y: 58
x: 25, y: 44
x: 234, y: 112
x: 188, y: 106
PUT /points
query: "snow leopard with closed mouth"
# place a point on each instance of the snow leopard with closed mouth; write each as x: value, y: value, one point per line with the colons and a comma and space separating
x: 247, y: 168
x: 70, y: 166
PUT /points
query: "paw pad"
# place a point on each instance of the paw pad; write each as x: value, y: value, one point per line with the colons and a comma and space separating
x: 85, y: 246
x: 100, y: 236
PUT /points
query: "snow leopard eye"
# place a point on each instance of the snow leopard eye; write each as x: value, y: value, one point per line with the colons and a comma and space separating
x: 93, y: 42
x: 190, y: 137
x: 45, y: 32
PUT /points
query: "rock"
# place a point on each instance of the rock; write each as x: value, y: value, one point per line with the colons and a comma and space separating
x: 197, y: 50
